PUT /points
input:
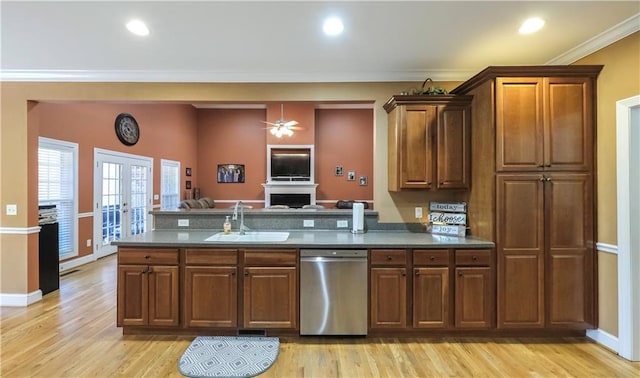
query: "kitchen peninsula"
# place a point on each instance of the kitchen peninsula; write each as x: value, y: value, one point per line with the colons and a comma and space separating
x: 171, y: 280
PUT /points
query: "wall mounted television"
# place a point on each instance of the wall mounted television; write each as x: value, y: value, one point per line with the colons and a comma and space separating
x: 290, y: 163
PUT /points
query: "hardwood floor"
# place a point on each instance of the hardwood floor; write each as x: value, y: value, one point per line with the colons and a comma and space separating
x: 72, y: 333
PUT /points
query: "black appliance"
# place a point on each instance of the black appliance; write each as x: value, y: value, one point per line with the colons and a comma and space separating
x: 49, y: 256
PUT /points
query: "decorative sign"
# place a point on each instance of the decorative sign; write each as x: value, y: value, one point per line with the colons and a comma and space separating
x: 448, y: 230
x: 458, y: 207
x: 448, y: 218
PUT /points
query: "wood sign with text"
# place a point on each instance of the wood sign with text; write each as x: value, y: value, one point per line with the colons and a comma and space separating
x: 448, y: 218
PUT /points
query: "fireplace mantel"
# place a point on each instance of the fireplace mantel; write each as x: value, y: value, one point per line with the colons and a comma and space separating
x: 289, y: 187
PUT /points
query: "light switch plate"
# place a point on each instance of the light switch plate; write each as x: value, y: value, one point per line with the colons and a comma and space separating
x: 418, y: 211
x: 183, y: 223
x: 308, y: 223
x: 156, y: 197
x: 12, y: 209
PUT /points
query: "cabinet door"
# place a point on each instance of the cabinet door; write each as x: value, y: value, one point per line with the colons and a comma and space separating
x: 133, y: 294
x: 519, y: 124
x: 474, y: 297
x: 164, y: 302
x: 211, y: 296
x: 388, y: 298
x: 431, y: 297
x: 568, y: 124
x: 453, y: 149
x: 270, y: 297
x: 520, y: 250
x: 417, y: 127
x: 570, y: 267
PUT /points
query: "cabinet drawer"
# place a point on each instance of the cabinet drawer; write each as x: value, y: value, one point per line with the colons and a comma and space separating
x: 388, y: 257
x: 208, y: 256
x: 431, y: 257
x: 270, y: 257
x: 480, y: 257
x: 148, y: 256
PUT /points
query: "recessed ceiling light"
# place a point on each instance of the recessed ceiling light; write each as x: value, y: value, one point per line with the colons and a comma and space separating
x: 333, y: 26
x: 138, y: 27
x: 531, y: 25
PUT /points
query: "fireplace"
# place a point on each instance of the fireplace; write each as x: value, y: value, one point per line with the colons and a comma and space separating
x: 292, y: 194
x: 291, y: 199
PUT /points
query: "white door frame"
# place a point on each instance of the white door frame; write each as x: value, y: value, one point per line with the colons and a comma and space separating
x: 100, y: 155
x: 628, y: 187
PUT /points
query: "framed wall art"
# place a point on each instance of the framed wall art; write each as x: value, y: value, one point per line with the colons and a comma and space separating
x: 231, y: 173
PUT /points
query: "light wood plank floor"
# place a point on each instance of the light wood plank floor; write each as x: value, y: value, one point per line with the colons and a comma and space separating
x: 72, y: 333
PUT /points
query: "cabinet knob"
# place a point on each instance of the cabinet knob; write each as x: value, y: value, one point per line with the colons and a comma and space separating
x: 149, y: 270
x: 547, y: 165
x: 147, y: 257
x: 246, y: 274
x: 233, y: 273
x: 548, y: 179
x: 389, y: 258
x: 417, y: 273
x: 541, y: 179
x: 540, y: 165
x: 460, y: 274
x: 474, y: 258
x: 432, y: 258
x: 404, y: 274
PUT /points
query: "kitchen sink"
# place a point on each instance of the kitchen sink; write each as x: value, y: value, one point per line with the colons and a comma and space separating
x: 249, y: 236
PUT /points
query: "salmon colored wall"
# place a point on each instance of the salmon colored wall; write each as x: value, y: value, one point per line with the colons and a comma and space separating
x: 302, y: 112
x: 344, y: 137
x: 167, y: 131
x: 232, y: 136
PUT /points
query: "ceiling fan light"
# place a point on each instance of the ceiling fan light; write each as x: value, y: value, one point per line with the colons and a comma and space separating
x: 274, y: 130
x: 531, y: 25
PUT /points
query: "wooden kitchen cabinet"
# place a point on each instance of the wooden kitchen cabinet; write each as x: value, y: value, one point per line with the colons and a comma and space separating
x: 431, y: 289
x: 148, y: 287
x: 545, y: 264
x: 428, y: 142
x: 544, y: 123
x: 270, y: 289
x: 388, y: 289
x: 210, y: 288
x: 474, y: 289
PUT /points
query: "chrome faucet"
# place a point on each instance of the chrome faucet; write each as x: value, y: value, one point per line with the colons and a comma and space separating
x: 235, y: 215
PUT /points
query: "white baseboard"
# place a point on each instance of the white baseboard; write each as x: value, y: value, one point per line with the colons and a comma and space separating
x: 70, y: 264
x: 20, y: 300
x: 604, y: 338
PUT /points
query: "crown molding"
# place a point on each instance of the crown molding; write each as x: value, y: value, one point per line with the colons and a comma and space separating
x: 229, y: 77
x: 600, y: 41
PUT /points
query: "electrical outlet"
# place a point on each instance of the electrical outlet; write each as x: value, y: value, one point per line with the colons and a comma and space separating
x: 156, y: 197
x: 342, y: 224
x: 183, y: 223
x: 88, y: 242
x: 418, y: 211
x: 12, y: 209
x: 308, y: 223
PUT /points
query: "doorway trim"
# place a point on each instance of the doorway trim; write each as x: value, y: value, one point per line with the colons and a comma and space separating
x: 628, y: 208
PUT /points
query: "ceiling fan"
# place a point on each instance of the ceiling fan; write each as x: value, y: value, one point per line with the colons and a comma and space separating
x: 282, y: 127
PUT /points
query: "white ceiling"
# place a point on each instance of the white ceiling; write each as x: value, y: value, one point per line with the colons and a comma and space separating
x: 267, y: 41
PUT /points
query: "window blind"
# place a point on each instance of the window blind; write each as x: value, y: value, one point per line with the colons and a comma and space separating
x: 169, y: 184
x: 56, y: 186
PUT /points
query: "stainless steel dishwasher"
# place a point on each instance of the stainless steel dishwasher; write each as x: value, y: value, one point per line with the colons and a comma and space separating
x: 333, y: 292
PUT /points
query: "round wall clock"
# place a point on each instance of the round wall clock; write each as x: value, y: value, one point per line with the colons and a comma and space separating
x: 127, y: 129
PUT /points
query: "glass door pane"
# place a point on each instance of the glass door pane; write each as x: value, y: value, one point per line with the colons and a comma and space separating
x: 111, y: 202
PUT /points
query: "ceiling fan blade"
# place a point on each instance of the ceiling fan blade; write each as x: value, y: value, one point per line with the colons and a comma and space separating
x: 290, y: 123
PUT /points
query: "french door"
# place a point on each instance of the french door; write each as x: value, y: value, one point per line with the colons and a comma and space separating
x: 122, y: 198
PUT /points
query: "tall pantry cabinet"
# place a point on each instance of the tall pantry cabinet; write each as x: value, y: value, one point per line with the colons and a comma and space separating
x: 533, y: 164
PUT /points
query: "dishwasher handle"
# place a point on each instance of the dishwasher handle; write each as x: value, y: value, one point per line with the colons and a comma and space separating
x: 319, y: 259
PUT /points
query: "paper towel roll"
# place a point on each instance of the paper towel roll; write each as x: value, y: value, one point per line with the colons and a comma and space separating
x: 358, y: 218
